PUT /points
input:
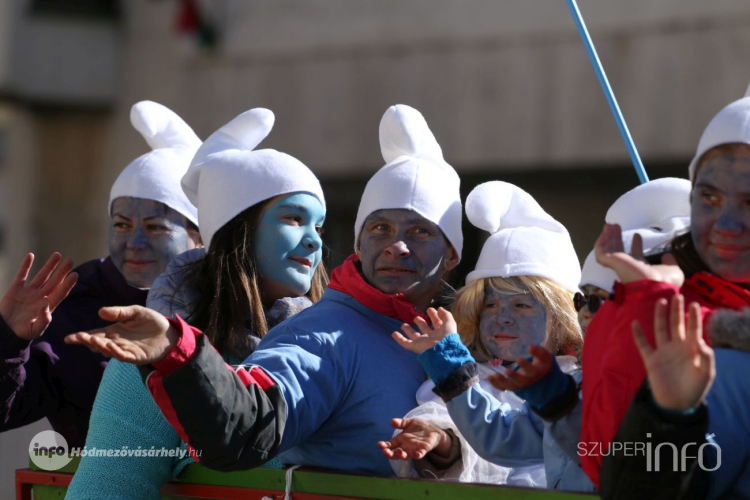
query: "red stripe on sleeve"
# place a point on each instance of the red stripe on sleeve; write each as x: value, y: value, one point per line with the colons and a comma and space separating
x: 264, y: 380
x: 156, y: 387
x: 256, y: 376
x: 244, y: 376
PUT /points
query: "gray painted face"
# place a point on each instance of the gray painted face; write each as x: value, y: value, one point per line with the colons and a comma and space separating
x: 144, y: 236
x: 402, y: 252
x: 510, y: 323
x: 720, y: 216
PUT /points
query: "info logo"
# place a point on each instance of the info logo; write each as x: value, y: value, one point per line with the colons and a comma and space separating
x: 48, y: 450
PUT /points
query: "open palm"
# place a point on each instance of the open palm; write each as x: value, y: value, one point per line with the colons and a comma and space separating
x: 526, y: 373
x: 682, y: 367
x: 419, y: 437
x: 610, y: 252
x: 140, y: 335
x: 443, y: 325
x: 27, y: 308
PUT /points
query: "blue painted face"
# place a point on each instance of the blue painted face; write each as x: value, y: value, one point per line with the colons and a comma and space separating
x: 402, y: 252
x: 720, y: 216
x: 288, y: 247
x: 144, y: 236
x: 510, y: 323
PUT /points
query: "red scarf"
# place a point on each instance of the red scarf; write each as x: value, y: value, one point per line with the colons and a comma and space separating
x: 718, y: 292
x: 346, y: 279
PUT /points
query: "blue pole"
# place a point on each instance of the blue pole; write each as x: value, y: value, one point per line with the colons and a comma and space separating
x: 639, y: 169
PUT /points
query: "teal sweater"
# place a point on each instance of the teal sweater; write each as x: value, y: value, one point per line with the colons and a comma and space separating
x: 125, y: 416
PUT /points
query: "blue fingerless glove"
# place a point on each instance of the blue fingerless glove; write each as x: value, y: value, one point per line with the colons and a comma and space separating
x: 553, y: 384
x: 444, y: 358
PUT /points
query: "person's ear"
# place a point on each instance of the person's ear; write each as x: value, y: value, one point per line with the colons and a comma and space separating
x: 358, y: 251
x: 452, y: 261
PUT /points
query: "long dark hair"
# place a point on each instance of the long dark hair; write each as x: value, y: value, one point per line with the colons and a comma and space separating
x: 684, y: 252
x: 229, y: 285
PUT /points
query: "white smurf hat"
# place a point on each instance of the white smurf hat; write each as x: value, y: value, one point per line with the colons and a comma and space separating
x: 524, y: 240
x: 415, y: 177
x: 658, y: 210
x: 156, y: 175
x: 731, y: 124
x: 227, y: 176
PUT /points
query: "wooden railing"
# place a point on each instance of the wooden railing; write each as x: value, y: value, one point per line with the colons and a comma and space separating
x: 306, y: 484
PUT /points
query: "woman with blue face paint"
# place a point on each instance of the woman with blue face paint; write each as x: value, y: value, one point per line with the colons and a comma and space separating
x: 261, y: 214
x: 519, y: 297
x: 151, y: 221
x: 710, y: 266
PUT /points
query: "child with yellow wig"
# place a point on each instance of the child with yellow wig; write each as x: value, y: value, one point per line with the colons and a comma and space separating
x: 518, y: 300
x: 483, y: 334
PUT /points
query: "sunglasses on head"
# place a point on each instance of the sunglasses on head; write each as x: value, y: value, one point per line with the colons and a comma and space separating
x: 593, y: 301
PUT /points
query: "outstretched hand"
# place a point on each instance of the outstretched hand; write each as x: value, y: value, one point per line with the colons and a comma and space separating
x: 610, y: 252
x: 419, y: 437
x: 27, y: 308
x: 527, y: 373
x: 682, y: 367
x: 139, y: 336
x: 443, y: 325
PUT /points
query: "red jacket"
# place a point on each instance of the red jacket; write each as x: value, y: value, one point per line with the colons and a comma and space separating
x: 612, y: 367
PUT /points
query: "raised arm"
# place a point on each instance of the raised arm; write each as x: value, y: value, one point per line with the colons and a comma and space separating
x: 28, y: 390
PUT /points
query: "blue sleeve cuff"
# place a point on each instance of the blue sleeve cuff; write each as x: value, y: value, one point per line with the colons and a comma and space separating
x: 554, y: 384
x: 445, y: 358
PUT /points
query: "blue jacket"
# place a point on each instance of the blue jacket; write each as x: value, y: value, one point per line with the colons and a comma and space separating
x: 343, y: 379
